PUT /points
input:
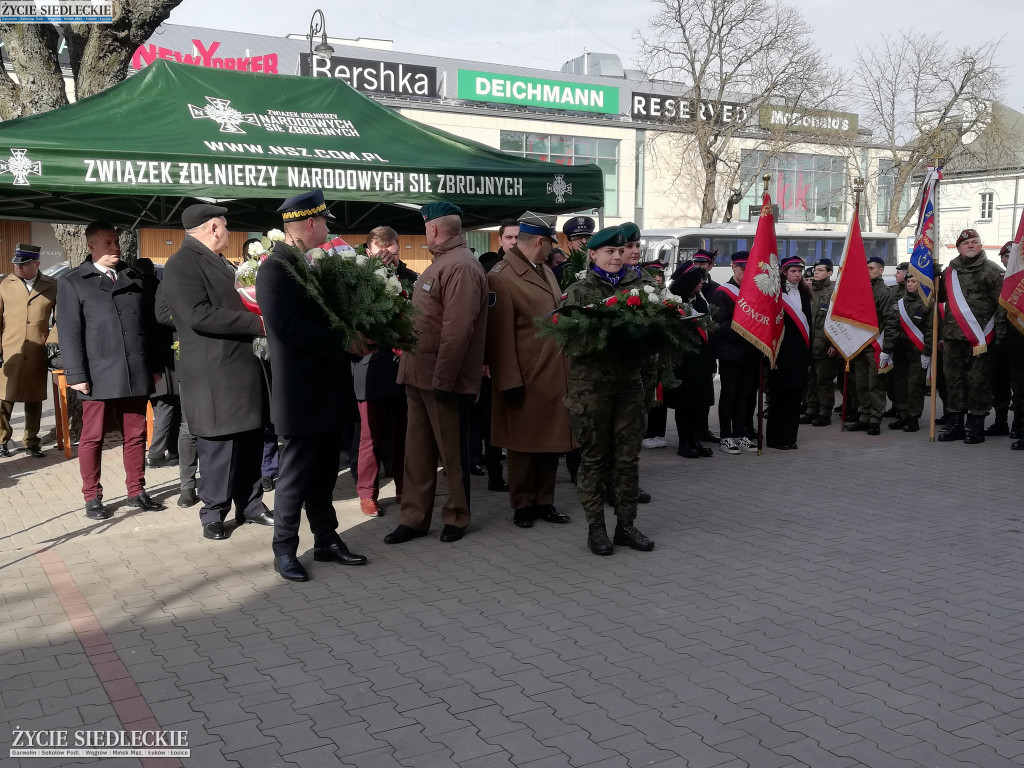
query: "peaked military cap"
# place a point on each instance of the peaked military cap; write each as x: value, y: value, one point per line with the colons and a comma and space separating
x: 790, y: 261
x: 305, y: 206
x: 200, y: 213
x: 739, y: 259
x: 579, y: 226
x: 705, y: 257
x: 612, y: 236
x: 531, y: 223
x: 24, y: 253
x: 631, y: 232
x: 432, y: 211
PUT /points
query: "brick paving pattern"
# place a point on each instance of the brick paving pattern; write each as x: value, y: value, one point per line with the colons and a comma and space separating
x: 808, y: 608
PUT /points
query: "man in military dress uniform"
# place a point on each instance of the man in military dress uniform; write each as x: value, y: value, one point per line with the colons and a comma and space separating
x: 310, y: 366
x: 825, y: 365
x: 442, y: 377
x: 972, y: 285
x: 529, y: 375
x: 866, y: 366
x: 28, y: 301
x: 578, y: 230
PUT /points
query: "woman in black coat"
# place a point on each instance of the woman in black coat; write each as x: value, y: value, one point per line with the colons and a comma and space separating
x: 694, y: 369
x: 787, y: 379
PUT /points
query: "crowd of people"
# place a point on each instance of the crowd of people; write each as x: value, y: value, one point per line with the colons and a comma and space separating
x: 248, y: 402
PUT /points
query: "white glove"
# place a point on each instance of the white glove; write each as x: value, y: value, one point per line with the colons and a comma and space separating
x: 926, y: 362
x: 884, y: 360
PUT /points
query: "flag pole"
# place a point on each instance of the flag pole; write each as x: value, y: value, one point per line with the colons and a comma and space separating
x: 858, y: 185
x: 846, y: 382
x: 760, y: 365
x: 932, y: 369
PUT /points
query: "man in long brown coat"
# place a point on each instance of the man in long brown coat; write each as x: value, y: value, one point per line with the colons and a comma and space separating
x: 28, y: 302
x: 442, y: 377
x: 529, y: 375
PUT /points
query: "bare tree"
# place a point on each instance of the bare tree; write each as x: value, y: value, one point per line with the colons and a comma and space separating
x: 743, y: 52
x: 921, y: 99
x: 100, y: 55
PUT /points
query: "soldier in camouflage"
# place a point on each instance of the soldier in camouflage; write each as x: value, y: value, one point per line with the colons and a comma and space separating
x: 825, y: 360
x: 1007, y: 374
x: 910, y: 344
x: 607, y: 407
x: 870, y: 382
x: 966, y: 360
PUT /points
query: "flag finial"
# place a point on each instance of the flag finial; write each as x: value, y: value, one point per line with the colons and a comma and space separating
x: 766, y: 178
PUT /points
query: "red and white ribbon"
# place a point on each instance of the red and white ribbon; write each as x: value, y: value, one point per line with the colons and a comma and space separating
x: 915, y: 334
x: 979, y: 337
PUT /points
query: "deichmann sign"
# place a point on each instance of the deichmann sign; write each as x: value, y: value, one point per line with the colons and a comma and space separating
x: 375, y: 76
x: 534, y: 92
x: 57, y: 13
x: 681, y: 109
x: 808, y: 120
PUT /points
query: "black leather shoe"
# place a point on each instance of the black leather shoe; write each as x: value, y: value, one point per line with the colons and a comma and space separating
x: 5, y: 452
x: 188, y: 498
x: 807, y: 418
x: 549, y: 514
x: 898, y: 424
x: 703, y: 450
x: 821, y: 421
x: 890, y: 413
x: 477, y: 469
x: 523, y: 517
x: 95, y: 510
x: 498, y: 485
x: 709, y: 437
x: 214, y: 531
x: 858, y: 426
x: 451, y: 533
x: 338, y: 553
x: 598, y: 541
x: 874, y: 429
x: 35, y: 453
x: 629, y: 536
x: 268, y: 483
x: 402, y: 534
x: 143, y: 502
x: 792, y: 447
x: 643, y: 497
x: 688, y: 452
x: 911, y: 424
x: 1017, y: 445
x: 263, y: 518
x: 289, y: 567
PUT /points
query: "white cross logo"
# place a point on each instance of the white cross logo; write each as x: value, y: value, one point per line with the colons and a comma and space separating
x: 19, y: 166
x: 221, y: 111
x: 560, y: 188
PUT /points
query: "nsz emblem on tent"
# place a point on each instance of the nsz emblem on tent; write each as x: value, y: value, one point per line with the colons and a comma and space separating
x: 221, y: 111
x: 560, y: 188
x: 19, y: 166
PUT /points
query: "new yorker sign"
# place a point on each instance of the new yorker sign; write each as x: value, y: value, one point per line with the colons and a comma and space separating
x: 535, y: 92
x: 375, y: 76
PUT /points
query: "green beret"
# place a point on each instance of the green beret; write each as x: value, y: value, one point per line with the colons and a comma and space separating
x: 432, y: 211
x: 631, y: 232
x: 612, y: 236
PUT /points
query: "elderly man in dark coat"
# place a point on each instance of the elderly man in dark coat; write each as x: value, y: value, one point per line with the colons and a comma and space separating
x: 107, y: 347
x: 224, y: 403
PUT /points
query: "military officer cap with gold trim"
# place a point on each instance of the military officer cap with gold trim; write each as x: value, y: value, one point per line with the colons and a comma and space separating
x: 609, y: 236
x: 305, y: 206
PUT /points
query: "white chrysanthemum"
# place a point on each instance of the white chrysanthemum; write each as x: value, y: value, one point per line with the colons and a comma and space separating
x: 395, y: 285
x: 650, y: 290
x: 360, y: 259
x: 256, y: 249
x: 634, y: 292
x: 381, y: 272
x: 318, y: 254
x: 276, y: 235
x: 348, y: 254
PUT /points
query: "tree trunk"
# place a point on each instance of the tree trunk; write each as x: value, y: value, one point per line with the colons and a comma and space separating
x: 708, y: 204
x: 72, y: 239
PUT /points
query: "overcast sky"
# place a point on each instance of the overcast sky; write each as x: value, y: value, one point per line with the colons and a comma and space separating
x: 546, y: 33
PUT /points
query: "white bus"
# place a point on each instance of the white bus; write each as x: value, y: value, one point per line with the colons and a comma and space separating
x: 674, y: 246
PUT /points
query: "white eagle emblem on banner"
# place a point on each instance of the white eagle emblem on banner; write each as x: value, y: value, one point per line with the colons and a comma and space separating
x: 768, y: 281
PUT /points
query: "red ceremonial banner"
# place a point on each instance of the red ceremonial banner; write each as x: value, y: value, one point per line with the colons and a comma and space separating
x: 758, y: 314
x: 1012, y: 295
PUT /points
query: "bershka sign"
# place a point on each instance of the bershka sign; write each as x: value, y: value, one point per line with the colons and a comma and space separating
x: 808, y: 120
x: 534, y: 92
x: 205, y: 56
x: 650, y: 107
x: 375, y: 76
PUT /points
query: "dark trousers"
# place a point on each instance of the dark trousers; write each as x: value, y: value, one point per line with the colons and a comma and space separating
x: 657, y: 420
x: 308, y: 474
x: 531, y: 479
x: 188, y: 454
x: 271, y: 454
x: 131, y: 411
x: 784, y: 421
x: 166, y: 423
x: 689, y: 426
x: 231, y: 474
x: 33, y: 416
x: 738, y: 385
x: 481, y: 451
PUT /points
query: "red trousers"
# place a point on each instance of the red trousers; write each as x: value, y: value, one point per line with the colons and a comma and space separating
x: 131, y: 411
x: 383, y: 422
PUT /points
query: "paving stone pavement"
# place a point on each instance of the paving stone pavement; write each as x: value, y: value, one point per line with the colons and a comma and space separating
x: 810, y: 608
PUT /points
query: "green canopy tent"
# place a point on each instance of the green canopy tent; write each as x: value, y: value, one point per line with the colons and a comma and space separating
x: 139, y: 152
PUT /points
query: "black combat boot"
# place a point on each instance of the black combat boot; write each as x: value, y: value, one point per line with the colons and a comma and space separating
x: 910, y: 424
x: 954, y: 429
x: 628, y: 535
x: 597, y: 539
x: 1017, y: 427
x: 999, y: 427
x: 975, y: 432
x: 900, y: 423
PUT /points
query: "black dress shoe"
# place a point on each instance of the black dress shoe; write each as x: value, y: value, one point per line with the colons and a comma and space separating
x: 708, y: 437
x: 642, y: 496
x: 402, y: 534
x: 35, y: 452
x: 497, y: 484
x: 5, y: 452
x: 188, y: 498
x: 337, y: 553
x: 858, y: 426
x: 289, y: 567
x: 214, y: 531
x: 523, y: 517
x: 807, y: 418
x: 263, y: 518
x: 703, y: 450
x: 452, y: 533
x: 898, y: 424
x: 477, y: 469
x: 95, y: 510
x: 688, y: 452
x: 143, y: 502
x: 549, y: 514
x: 792, y: 447
x: 874, y: 429
x: 268, y: 483
x: 155, y: 462
x: 821, y: 421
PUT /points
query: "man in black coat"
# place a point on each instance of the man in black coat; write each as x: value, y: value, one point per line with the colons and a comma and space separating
x: 224, y: 402
x: 107, y: 337
x: 310, y: 367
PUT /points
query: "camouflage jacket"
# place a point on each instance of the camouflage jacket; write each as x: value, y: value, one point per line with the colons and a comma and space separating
x: 981, y: 282
x: 883, y: 303
x: 920, y: 316
x: 821, y: 295
x: 609, y: 365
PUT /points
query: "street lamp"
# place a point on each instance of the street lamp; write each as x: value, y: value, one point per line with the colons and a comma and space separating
x: 317, y: 26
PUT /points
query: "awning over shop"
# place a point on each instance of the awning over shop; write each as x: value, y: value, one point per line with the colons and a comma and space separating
x: 139, y: 152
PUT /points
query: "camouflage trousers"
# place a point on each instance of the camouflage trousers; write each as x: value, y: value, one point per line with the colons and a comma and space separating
x: 821, y: 385
x: 870, y: 386
x: 608, y: 420
x: 908, y: 381
x: 968, y: 378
